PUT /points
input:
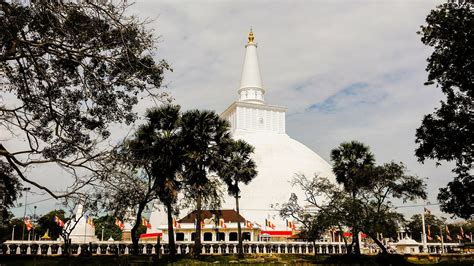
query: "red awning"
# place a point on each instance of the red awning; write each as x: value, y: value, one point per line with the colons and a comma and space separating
x: 277, y: 233
x: 151, y: 235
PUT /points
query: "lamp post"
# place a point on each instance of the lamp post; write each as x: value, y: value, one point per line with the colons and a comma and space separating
x: 26, y: 189
x: 102, y: 239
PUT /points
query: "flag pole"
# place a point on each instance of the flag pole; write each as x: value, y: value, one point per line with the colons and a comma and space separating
x: 423, y: 236
x: 442, y: 242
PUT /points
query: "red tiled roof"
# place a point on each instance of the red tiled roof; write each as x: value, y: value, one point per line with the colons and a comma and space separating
x: 227, y: 215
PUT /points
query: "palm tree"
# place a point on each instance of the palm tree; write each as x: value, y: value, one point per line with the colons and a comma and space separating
x: 351, y: 161
x: 239, y: 168
x: 205, y: 136
x: 157, y: 145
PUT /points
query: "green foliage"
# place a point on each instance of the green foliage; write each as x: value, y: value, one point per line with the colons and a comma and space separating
x: 10, y: 188
x: 447, y: 134
x: 46, y: 222
x: 350, y: 161
x: 238, y: 167
x: 107, y: 223
x: 73, y: 70
x: 365, y: 201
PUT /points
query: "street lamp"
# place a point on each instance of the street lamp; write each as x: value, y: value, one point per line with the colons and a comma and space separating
x: 26, y: 189
x: 102, y: 239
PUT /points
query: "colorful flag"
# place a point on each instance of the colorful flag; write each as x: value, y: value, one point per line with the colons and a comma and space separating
x: 28, y: 224
x: 448, y: 234
x: 176, y: 224
x: 90, y: 221
x: 222, y: 223
x: 203, y: 224
x: 146, y: 223
x: 461, y: 232
x: 119, y: 223
x: 429, y: 233
x: 58, y: 221
x: 290, y: 225
x: 268, y: 223
x: 438, y: 237
x: 249, y: 224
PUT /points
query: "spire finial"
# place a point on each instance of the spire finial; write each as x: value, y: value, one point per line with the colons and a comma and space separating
x: 251, y: 36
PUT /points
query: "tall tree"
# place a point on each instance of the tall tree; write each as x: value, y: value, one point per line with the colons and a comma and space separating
x: 70, y: 71
x: 159, y: 150
x: 385, y: 183
x: 238, y: 168
x: 351, y: 160
x: 205, y: 136
x: 448, y: 133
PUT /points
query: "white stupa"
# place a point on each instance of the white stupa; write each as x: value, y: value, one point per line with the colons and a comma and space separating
x: 82, y: 231
x: 277, y: 155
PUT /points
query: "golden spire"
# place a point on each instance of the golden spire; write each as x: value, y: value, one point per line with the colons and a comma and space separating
x: 251, y: 36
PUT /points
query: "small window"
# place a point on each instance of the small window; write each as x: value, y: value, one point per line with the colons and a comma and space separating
x: 246, y: 236
x: 179, y: 236
x: 233, y: 236
x: 193, y: 236
x: 208, y: 236
x: 221, y: 236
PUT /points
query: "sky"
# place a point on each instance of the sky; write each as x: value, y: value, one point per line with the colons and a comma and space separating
x: 346, y: 70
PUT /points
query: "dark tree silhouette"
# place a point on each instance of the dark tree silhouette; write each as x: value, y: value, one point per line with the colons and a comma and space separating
x: 72, y: 70
x: 448, y: 133
x: 238, y: 168
x: 205, y: 136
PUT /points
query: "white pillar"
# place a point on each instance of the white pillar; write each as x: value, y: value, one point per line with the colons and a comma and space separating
x: 423, y: 236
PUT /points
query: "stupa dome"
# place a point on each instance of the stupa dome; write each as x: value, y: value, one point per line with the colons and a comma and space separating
x: 278, y: 157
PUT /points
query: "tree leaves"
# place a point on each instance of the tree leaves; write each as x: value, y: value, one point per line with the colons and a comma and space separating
x: 448, y: 133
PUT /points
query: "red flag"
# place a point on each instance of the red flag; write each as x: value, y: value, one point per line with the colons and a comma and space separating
x: 146, y: 223
x: 176, y: 224
x: 58, y: 221
x: 448, y: 234
x: 222, y: 223
x: 268, y: 223
x: 119, y: 223
x: 28, y: 224
x: 429, y: 233
x: 249, y: 224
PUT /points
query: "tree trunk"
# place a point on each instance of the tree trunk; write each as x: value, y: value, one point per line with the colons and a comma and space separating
x: 381, y: 246
x: 133, y: 233
x: 171, y: 243
x: 341, y: 234
x: 357, y: 246
x: 239, y: 229
x: 197, y: 239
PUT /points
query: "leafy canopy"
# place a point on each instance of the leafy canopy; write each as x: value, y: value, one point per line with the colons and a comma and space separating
x: 70, y: 70
x: 448, y: 133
